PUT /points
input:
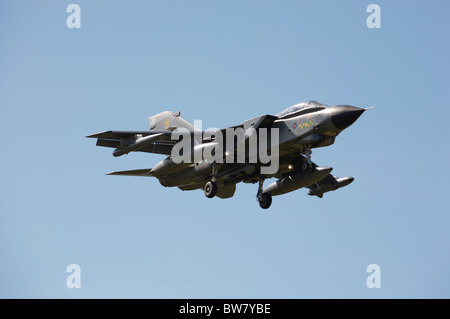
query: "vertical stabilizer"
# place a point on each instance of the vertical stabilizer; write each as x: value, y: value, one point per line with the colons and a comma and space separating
x: 168, y: 121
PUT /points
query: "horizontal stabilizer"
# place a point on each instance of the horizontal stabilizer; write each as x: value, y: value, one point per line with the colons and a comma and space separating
x: 135, y: 172
x: 125, y: 142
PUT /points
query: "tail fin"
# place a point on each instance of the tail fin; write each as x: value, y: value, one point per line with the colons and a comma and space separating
x: 168, y: 121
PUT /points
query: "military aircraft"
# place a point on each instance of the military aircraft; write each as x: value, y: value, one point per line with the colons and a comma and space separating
x: 299, y: 128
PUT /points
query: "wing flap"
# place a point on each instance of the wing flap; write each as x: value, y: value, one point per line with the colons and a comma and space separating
x: 108, y: 143
x: 117, y: 135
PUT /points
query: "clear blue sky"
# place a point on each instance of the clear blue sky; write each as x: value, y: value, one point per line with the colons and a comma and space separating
x: 222, y: 62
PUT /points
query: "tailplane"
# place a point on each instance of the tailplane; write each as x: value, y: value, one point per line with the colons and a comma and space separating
x: 134, y: 172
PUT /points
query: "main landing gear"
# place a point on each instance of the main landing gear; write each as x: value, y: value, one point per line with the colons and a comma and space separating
x: 210, y: 188
x: 264, y: 199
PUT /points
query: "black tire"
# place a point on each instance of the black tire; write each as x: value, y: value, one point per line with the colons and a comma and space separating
x: 265, y: 200
x: 210, y: 189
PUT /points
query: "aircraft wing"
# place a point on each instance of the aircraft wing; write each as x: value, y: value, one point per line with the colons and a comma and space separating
x: 160, y: 141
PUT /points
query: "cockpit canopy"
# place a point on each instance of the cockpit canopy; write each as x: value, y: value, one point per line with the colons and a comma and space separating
x: 313, y: 105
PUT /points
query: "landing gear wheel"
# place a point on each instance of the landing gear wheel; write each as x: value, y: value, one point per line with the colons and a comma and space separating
x: 210, y: 189
x: 265, y: 200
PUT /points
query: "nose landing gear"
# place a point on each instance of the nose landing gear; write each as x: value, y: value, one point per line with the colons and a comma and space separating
x: 308, y: 164
x: 264, y: 199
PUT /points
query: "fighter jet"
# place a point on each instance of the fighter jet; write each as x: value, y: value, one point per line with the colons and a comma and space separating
x: 216, y: 160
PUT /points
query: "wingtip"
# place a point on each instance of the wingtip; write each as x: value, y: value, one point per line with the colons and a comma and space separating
x: 113, y: 173
x: 96, y: 135
x: 93, y: 135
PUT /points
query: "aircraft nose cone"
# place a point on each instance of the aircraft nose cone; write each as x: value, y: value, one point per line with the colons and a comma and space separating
x: 343, y: 116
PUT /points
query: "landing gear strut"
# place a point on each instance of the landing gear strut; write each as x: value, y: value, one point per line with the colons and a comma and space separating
x: 307, y: 165
x: 264, y: 199
x: 211, y: 186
